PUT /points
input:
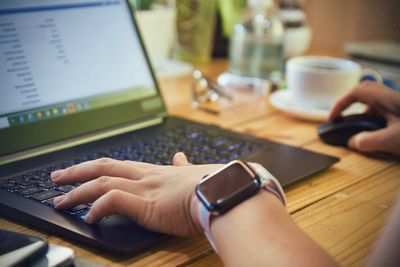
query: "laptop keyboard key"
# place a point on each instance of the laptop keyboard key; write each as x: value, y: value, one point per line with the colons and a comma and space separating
x: 11, y: 187
x: 77, y: 209
x: 46, y: 195
x: 25, y: 181
x: 28, y: 190
x: 45, y: 184
x: 64, y: 188
x: 49, y: 202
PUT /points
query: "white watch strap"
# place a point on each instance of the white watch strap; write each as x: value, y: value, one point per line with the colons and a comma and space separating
x: 269, y: 183
x: 204, y: 216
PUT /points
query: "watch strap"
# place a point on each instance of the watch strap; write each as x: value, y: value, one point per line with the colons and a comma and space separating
x: 204, y: 217
x: 268, y: 183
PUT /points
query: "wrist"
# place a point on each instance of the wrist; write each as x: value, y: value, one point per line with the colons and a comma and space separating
x: 255, y: 212
x: 262, y: 205
x: 249, y: 227
x: 208, y: 202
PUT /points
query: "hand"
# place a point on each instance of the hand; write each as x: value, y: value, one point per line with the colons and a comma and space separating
x: 380, y: 100
x: 156, y: 197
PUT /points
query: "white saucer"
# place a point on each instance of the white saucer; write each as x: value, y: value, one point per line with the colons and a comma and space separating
x: 284, y: 101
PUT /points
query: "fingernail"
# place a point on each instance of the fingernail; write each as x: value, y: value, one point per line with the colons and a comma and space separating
x: 179, y: 156
x: 88, y: 218
x: 57, y: 200
x: 56, y: 174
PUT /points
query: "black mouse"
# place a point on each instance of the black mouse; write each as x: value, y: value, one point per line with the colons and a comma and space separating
x: 339, y: 131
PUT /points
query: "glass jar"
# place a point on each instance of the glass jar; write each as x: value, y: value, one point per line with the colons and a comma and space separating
x: 256, y: 44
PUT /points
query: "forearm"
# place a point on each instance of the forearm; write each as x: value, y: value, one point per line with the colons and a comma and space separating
x: 259, y: 232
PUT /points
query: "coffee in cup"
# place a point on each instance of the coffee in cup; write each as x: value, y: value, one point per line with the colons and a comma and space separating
x: 318, y: 82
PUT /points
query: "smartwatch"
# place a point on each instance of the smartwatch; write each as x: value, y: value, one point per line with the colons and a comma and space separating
x: 222, y: 190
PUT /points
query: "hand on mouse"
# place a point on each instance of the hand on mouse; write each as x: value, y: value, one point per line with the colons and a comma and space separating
x: 380, y: 100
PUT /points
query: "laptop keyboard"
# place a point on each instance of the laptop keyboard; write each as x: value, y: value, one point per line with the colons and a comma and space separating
x: 201, y: 146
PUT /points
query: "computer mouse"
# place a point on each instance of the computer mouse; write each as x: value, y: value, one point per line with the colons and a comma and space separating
x: 339, y: 131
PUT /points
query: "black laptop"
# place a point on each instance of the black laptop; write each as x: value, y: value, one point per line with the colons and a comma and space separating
x: 76, y: 85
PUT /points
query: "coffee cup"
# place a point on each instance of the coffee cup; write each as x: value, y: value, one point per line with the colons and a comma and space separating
x: 318, y: 82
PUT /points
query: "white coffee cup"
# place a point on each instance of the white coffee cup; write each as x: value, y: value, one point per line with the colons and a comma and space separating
x: 318, y: 82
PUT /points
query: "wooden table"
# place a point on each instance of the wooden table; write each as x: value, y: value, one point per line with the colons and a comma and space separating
x: 343, y: 208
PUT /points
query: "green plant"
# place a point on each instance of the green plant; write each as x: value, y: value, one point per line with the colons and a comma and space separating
x: 231, y: 11
x: 142, y: 4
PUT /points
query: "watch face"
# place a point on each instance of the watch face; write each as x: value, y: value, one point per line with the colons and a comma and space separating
x: 228, y: 186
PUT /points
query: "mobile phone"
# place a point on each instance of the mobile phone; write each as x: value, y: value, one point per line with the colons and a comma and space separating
x: 20, y: 250
x: 17, y: 249
x: 58, y: 256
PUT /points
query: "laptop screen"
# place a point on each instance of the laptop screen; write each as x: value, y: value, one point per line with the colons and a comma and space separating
x: 69, y: 67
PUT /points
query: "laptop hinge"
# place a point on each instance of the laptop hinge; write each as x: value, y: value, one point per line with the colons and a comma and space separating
x: 83, y: 139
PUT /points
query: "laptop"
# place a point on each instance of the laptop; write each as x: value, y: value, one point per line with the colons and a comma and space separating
x: 76, y: 85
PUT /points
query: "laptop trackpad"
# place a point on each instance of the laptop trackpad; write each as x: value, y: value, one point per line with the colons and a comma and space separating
x: 289, y: 164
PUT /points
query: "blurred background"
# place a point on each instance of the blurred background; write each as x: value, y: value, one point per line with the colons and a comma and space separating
x: 336, y: 22
x: 180, y: 34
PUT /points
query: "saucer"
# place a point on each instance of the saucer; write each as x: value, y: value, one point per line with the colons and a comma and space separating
x: 284, y: 101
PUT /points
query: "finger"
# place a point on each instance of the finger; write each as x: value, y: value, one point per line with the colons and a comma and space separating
x: 92, y: 190
x: 143, y: 165
x: 180, y: 159
x: 116, y: 202
x: 100, y: 167
x: 375, y: 95
x: 342, y: 104
x: 384, y: 140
